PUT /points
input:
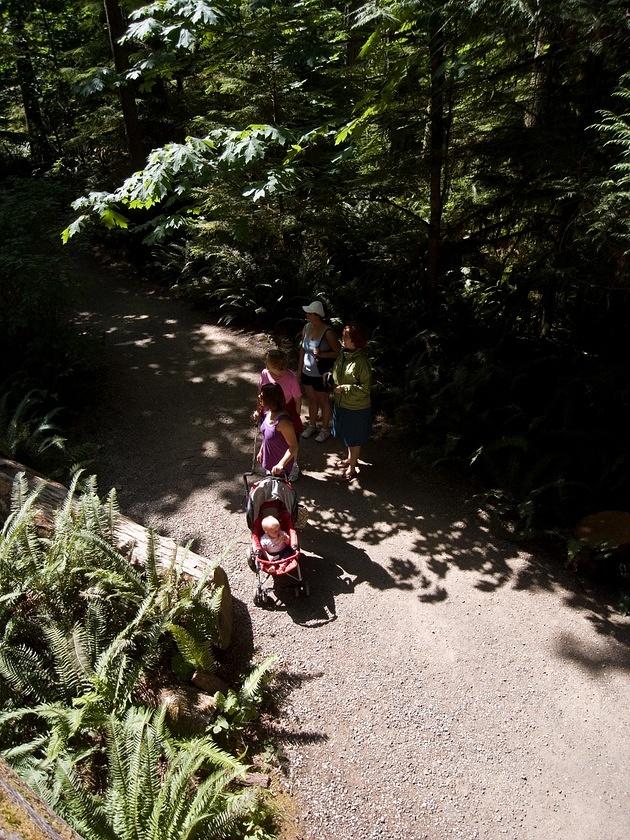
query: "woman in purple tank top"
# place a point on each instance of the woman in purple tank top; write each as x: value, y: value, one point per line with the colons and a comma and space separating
x: 279, y: 447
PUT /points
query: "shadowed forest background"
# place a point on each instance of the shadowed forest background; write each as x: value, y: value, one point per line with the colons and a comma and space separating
x: 455, y: 175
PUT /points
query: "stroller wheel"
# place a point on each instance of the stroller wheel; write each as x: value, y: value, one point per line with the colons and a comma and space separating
x: 259, y: 597
x: 251, y: 561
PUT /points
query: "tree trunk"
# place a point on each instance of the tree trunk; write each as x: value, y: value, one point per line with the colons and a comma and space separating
x: 536, y: 105
x: 41, y: 149
x: 436, y: 152
x: 116, y: 26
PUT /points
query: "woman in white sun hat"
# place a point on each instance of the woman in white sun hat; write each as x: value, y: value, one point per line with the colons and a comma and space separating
x: 320, y: 347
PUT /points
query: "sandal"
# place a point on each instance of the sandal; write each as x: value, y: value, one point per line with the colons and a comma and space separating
x: 349, y: 474
x: 342, y: 463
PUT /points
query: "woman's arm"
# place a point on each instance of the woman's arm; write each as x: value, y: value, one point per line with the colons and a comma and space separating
x: 296, y: 392
x: 285, y: 427
x: 333, y: 341
x: 335, y: 345
x: 257, y: 413
x: 301, y: 356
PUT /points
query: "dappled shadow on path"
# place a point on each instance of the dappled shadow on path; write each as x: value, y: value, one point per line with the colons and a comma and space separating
x: 173, y: 424
x: 176, y: 399
x: 591, y: 658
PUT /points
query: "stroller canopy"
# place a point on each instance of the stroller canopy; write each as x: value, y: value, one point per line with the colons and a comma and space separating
x: 270, y: 488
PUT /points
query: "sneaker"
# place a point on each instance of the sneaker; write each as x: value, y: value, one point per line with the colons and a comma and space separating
x: 295, y: 472
x: 309, y: 431
x: 322, y: 436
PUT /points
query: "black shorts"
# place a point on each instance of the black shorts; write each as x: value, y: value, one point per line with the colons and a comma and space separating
x: 316, y: 382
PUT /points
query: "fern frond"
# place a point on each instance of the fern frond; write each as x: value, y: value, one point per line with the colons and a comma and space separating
x: 12, y: 754
x: 70, y: 663
x: 253, y: 683
x: 195, y: 651
x: 112, y: 512
x: 86, y: 812
x: 19, y: 492
x: 25, y: 671
x: 95, y: 629
x: 118, y: 763
x: 116, y: 560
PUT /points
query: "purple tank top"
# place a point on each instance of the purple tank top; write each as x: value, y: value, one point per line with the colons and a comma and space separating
x: 274, y: 444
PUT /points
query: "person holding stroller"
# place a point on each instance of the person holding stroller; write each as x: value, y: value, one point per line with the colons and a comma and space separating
x: 352, y: 412
x: 279, y: 446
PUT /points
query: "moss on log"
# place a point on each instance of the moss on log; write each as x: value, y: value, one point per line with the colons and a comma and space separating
x: 23, y: 816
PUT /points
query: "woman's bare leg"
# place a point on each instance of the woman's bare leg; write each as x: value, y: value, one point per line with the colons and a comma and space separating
x: 323, y: 403
x: 312, y: 404
x: 353, y: 457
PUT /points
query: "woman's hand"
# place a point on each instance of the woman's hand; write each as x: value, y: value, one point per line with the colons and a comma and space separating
x: 339, y: 389
x: 277, y: 470
x: 255, y: 416
x: 259, y: 456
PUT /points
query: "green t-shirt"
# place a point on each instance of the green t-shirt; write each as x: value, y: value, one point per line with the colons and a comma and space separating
x: 353, y: 372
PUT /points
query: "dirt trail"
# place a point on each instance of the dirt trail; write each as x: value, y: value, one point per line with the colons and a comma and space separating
x: 440, y: 684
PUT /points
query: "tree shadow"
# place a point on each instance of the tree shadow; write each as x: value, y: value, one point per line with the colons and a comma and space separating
x: 591, y: 658
x: 175, y: 436
x: 275, y: 724
x: 236, y: 661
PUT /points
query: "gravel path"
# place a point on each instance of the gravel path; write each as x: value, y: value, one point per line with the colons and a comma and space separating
x: 440, y: 683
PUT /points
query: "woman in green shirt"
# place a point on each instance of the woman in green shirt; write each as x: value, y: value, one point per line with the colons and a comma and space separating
x: 352, y: 412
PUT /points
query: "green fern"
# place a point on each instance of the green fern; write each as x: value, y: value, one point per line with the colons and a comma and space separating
x: 149, y: 795
x: 24, y: 670
x: 250, y: 691
x: 81, y: 628
x: 195, y: 651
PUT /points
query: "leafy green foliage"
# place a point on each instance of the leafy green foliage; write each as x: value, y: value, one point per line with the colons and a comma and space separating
x: 611, y: 214
x: 150, y: 792
x: 237, y: 709
x: 458, y: 166
x: 25, y: 433
x: 83, y: 632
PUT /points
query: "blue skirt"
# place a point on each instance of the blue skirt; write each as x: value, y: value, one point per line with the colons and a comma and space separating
x: 352, y: 426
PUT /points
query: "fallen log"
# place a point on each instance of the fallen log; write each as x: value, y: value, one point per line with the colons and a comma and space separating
x: 23, y: 815
x: 131, y: 538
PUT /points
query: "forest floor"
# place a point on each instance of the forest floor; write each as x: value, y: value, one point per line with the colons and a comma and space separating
x: 438, y: 683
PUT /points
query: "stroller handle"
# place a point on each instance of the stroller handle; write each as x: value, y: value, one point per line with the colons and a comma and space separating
x: 247, y: 475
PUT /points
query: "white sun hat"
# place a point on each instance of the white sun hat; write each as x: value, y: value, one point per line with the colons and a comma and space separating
x: 315, y: 307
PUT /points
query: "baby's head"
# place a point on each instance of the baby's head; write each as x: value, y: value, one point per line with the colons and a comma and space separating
x: 276, y: 362
x: 271, y: 526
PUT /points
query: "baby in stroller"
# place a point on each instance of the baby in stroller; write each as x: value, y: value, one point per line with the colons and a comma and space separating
x: 275, y: 542
x: 275, y: 548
